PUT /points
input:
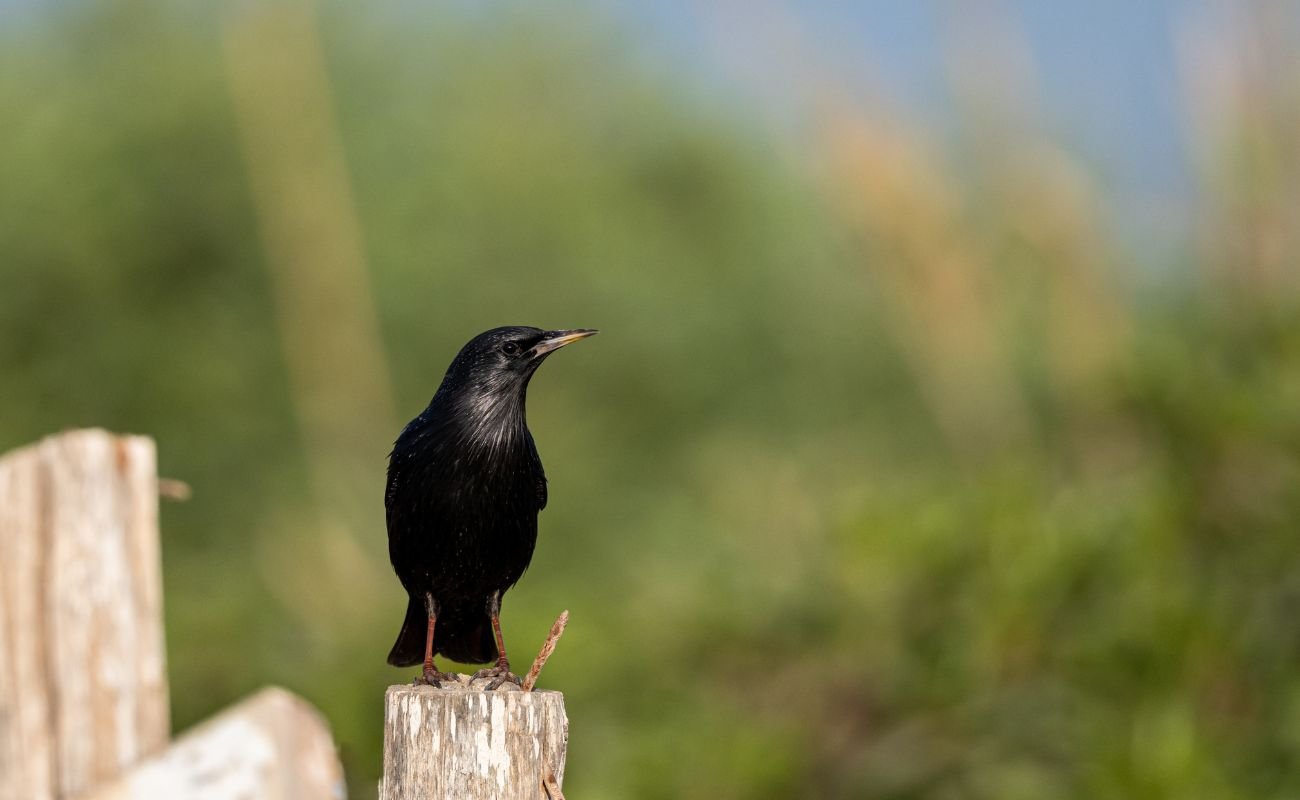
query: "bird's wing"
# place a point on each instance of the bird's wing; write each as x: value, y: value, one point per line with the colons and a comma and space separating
x: 539, y: 474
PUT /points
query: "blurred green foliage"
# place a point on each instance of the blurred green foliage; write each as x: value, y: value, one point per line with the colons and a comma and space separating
x: 875, y: 485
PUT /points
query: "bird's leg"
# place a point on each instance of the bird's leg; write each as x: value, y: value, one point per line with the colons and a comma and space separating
x: 431, y: 675
x: 501, y: 672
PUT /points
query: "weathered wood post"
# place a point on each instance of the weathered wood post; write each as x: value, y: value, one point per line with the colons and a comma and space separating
x: 83, y: 680
x: 464, y: 743
x: 83, y: 684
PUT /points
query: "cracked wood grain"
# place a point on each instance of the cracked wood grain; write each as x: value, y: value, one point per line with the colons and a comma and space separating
x: 83, y: 682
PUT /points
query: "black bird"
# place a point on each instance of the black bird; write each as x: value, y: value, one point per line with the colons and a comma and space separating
x: 465, y: 484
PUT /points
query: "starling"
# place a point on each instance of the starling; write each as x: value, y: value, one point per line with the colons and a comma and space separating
x: 465, y: 484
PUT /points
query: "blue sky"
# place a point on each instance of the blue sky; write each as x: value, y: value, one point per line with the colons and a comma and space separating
x: 1106, y: 74
x: 1105, y: 71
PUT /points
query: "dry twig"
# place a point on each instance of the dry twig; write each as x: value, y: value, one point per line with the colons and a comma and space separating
x: 548, y: 647
x: 172, y: 489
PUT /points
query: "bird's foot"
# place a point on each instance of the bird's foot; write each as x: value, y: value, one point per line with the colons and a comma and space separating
x: 499, y: 674
x: 434, y: 678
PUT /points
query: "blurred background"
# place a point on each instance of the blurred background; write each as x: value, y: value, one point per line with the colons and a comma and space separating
x: 943, y: 435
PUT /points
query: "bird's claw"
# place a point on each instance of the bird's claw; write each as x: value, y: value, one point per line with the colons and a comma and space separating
x: 500, y: 674
x: 432, y: 677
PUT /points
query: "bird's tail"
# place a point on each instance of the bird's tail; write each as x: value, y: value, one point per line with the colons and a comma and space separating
x: 462, y: 634
x: 408, y: 650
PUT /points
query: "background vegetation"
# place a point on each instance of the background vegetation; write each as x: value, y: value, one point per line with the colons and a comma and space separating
x: 892, y: 474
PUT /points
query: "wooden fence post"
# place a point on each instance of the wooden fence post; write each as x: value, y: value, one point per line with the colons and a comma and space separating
x: 464, y: 743
x: 83, y: 680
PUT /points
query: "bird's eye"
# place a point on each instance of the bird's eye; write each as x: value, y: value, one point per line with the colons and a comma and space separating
x: 510, y: 349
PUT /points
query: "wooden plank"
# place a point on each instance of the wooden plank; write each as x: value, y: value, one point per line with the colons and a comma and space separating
x: 272, y: 746
x: 462, y: 742
x: 83, y: 684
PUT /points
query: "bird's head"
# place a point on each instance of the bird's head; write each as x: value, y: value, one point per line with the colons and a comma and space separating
x: 493, y: 369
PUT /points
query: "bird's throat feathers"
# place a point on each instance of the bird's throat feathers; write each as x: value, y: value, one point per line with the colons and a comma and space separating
x: 491, y: 421
x: 477, y: 423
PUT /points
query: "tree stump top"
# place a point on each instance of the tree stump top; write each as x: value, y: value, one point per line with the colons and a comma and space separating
x: 459, y: 741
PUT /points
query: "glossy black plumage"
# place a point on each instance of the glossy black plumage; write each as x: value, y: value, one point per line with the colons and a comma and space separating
x: 465, y: 484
